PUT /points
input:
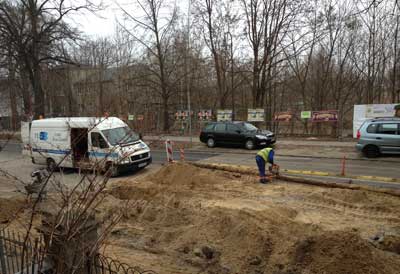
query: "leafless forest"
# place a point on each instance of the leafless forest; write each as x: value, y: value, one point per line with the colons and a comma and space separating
x: 280, y: 55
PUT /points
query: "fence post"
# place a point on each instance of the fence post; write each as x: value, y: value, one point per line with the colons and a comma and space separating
x: 2, y: 260
x: 344, y: 166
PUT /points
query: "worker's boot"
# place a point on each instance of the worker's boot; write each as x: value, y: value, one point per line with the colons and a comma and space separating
x: 263, y: 181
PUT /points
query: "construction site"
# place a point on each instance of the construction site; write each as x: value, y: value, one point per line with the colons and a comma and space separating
x: 204, y: 218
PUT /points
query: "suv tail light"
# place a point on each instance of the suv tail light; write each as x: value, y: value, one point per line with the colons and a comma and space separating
x: 358, y: 134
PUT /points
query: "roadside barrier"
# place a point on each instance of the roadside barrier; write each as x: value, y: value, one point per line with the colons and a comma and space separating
x: 182, y: 153
x: 343, y: 166
x: 168, y: 149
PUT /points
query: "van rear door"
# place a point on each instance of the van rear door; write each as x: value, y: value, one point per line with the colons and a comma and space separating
x: 25, y: 137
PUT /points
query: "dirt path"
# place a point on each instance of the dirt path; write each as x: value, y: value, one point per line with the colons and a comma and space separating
x: 190, y: 220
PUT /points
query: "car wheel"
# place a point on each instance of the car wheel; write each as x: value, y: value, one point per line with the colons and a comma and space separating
x: 249, y: 144
x: 371, y: 151
x: 51, y: 165
x: 210, y: 142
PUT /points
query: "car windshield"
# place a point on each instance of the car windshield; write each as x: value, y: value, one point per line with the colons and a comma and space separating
x: 121, y: 135
x: 249, y: 127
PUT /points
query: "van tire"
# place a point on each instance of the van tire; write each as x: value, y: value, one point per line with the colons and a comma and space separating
x: 51, y: 165
x: 371, y: 151
x: 111, y: 170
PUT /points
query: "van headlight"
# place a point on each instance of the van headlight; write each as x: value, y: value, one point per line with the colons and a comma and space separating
x: 125, y: 160
x: 261, y: 137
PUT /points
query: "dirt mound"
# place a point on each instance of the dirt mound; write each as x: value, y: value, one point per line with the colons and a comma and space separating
x: 339, y: 252
x: 186, y: 175
x: 193, y: 220
x: 9, y: 208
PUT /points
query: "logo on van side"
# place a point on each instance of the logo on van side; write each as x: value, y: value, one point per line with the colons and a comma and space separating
x: 43, y: 136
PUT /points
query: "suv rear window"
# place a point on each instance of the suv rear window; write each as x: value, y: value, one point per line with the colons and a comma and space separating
x: 388, y: 129
x: 372, y: 128
x: 209, y: 127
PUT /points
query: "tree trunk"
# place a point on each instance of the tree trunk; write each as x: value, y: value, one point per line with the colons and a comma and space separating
x: 26, y: 95
x: 165, y: 113
x: 39, y: 103
x: 12, y: 88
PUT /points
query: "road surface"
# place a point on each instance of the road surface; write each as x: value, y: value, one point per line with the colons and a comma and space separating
x: 12, y: 161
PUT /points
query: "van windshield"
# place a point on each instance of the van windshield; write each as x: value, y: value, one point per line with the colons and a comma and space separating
x: 121, y: 135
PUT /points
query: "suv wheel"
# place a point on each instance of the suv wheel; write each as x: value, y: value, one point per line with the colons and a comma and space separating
x: 371, y: 151
x: 210, y: 142
x: 249, y: 144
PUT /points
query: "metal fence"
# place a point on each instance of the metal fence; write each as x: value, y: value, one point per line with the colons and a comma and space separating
x: 16, y: 253
x: 22, y: 256
x: 104, y: 265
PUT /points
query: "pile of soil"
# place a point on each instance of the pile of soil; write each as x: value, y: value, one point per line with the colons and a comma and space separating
x: 184, y: 219
x: 10, y: 208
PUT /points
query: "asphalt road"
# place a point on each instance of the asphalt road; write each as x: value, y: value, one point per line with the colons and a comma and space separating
x: 12, y: 161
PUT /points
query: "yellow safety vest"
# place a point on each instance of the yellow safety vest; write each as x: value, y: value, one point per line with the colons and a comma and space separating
x: 264, y: 153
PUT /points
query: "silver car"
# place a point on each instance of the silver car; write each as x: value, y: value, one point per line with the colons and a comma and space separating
x: 379, y: 136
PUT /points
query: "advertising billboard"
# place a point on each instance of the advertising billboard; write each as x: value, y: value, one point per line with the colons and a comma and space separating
x: 305, y: 114
x: 283, y: 116
x: 224, y: 115
x: 324, y: 116
x: 255, y: 115
x: 204, y: 115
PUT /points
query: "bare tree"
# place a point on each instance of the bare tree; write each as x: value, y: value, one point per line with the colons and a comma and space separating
x: 36, y: 32
x: 153, y: 32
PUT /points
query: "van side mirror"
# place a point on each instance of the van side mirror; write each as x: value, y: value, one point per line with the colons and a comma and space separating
x: 238, y: 131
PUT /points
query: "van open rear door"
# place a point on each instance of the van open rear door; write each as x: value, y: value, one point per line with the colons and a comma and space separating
x: 25, y: 137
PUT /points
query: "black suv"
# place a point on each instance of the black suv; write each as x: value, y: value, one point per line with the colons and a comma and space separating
x: 236, y: 133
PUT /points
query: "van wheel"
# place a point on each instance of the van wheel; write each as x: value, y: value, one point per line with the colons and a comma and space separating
x: 210, y: 142
x: 249, y: 144
x: 111, y: 170
x: 371, y: 151
x: 51, y: 165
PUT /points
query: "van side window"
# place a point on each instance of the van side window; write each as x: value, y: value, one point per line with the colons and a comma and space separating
x: 387, y: 129
x: 372, y: 128
x: 98, y: 140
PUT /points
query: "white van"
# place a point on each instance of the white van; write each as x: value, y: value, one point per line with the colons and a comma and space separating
x: 106, y: 144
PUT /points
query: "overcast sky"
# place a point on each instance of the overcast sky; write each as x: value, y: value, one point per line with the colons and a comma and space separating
x: 104, y: 23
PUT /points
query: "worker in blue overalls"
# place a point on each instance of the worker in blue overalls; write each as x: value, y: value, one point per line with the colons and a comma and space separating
x: 263, y: 157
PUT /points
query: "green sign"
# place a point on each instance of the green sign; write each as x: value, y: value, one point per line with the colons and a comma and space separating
x: 131, y: 117
x: 305, y: 114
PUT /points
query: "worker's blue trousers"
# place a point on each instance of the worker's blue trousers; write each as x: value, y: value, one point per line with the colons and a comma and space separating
x: 261, y: 165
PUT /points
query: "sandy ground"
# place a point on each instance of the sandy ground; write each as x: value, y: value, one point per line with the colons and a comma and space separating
x: 189, y: 220
x: 184, y: 219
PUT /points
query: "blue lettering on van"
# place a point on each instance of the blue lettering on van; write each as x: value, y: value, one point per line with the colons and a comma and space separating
x: 43, y: 135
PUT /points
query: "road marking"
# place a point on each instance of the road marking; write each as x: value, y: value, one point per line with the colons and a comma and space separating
x: 360, y: 177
